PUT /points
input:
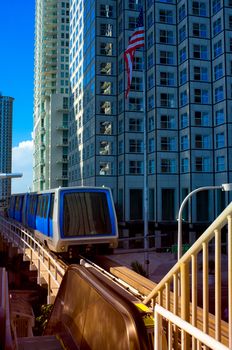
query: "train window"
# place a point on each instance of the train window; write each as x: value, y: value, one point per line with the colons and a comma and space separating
x: 45, y: 208
x: 86, y: 214
x: 51, y: 206
x: 39, y: 211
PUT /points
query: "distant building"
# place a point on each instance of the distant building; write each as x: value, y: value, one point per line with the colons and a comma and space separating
x: 51, y: 94
x: 189, y: 106
x: 6, y: 116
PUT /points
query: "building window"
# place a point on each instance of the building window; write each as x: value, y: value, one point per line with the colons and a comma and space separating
x: 200, y: 51
x: 184, y: 120
x: 135, y: 104
x: 202, y: 206
x: 132, y: 22
x: 168, y: 166
x: 201, y: 141
x: 105, y: 107
x: 136, y: 167
x: 218, y: 71
x: 182, y: 55
x: 120, y: 147
x: 200, y: 73
x: 183, y: 76
x: 167, y: 100
x: 202, y: 164
x: 134, y: 4
x: 217, y: 26
x: 219, y: 117
x: 106, y: 29
x: 199, y: 30
x: 151, y: 124
x: 166, y: 57
x: 166, y: 16
x: 106, y: 68
x: 166, y: 37
x: 135, y: 146
x: 166, y: 78
x: 183, y: 98
x: 168, y: 204
x: 216, y: 6
x: 151, y: 166
x: 184, y: 165
x: 201, y: 118
x: 182, y: 33
x: 135, y: 124
x: 106, y: 49
x: 106, y: 10
x: 120, y: 167
x: 219, y: 94
x: 230, y: 22
x: 220, y: 163
x: 106, y: 168
x: 201, y: 96
x: 184, y: 142
x: 150, y: 81
x: 150, y: 40
x: 151, y: 102
x: 167, y: 143
x: 181, y: 12
x: 220, y: 140
x: 217, y: 48
x: 138, y: 63
x: 136, y: 84
x: 167, y: 121
x: 136, y: 204
x: 105, y: 148
x: 230, y: 44
x: 106, y: 128
x: 106, y: 87
x: 151, y: 145
x: 199, y: 8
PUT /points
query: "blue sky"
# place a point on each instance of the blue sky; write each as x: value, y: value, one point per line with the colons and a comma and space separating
x: 16, y: 79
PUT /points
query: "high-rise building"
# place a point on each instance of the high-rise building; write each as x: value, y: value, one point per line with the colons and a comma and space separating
x: 6, y: 115
x: 51, y: 94
x: 188, y: 95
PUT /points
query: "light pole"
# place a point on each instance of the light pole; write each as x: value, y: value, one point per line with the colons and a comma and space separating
x: 223, y: 187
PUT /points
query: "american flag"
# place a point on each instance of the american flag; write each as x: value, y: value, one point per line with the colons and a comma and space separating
x: 135, y: 41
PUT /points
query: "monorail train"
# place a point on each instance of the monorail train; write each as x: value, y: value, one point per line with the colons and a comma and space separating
x: 68, y: 219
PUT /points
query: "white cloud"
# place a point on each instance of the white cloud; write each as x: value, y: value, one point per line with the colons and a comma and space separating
x: 22, y: 162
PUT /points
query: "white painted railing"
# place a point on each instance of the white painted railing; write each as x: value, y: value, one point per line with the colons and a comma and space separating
x: 49, y: 269
x: 202, y: 276
x: 198, y: 337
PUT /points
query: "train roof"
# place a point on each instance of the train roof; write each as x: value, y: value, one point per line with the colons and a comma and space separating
x: 53, y: 190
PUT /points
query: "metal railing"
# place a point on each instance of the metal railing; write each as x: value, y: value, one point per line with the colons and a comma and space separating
x: 200, y: 338
x: 193, y: 288
x: 49, y: 269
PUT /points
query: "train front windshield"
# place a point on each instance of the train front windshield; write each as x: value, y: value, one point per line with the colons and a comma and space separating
x: 86, y: 214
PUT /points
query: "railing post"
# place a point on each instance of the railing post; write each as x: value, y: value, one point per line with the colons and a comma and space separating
x: 229, y: 220
x: 158, y: 331
x: 185, y: 303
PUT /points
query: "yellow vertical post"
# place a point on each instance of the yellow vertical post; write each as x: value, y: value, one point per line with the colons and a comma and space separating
x: 229, y: 218
x: 185, y: 303
x: 218, y: 285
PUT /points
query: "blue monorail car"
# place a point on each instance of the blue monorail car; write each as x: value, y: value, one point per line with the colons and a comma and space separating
x: 66, y: 217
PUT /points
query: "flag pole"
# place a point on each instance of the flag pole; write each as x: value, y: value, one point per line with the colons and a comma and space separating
x: 145, y: 185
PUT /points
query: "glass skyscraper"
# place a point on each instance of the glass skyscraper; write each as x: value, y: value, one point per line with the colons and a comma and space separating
x: 6, y: 115
x: 188, y: 112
